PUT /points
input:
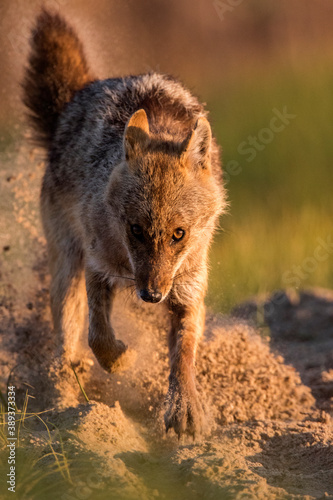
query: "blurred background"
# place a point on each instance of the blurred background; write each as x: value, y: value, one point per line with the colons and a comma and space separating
x: 265, y: 70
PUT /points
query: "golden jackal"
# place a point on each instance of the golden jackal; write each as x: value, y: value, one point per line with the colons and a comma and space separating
x: 132, y: 193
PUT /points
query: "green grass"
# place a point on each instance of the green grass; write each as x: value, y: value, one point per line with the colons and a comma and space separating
x: 35, y: 475
x: 281, y: 201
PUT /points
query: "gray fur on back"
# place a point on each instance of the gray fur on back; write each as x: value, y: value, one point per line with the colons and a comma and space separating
x: 89, y: 135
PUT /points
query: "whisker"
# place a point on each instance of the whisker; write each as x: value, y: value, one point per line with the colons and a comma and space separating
x: 130, y: 289
x: 132, y: 292
x: 121, y: 277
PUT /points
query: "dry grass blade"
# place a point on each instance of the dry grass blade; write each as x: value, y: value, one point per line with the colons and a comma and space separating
x: 78, y: 381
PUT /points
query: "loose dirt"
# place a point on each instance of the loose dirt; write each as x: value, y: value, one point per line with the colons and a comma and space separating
x: 265, y: 375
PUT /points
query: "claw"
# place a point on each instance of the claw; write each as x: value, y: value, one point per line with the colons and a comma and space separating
x: 184, y: 412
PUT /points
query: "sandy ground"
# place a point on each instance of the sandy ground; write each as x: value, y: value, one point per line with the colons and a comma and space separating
x: 265, y: 374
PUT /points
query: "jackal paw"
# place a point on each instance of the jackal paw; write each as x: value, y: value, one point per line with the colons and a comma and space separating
x: 114, y: 358
x: 184, y: 411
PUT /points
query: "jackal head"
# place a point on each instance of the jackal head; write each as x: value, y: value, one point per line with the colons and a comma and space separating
x: 165, y: 201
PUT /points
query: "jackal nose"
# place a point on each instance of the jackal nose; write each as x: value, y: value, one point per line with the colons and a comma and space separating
x: 150, y: 296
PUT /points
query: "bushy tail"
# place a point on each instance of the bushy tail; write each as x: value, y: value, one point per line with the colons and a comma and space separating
x: 57, y: 69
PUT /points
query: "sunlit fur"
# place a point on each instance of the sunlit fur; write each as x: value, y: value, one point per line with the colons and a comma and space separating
x: 124, y: 151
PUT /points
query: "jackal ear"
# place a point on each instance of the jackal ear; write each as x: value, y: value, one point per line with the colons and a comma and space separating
x: 136, y: 135
x: 196, y: 147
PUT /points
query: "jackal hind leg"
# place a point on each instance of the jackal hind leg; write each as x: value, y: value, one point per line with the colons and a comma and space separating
x: 69, y: 312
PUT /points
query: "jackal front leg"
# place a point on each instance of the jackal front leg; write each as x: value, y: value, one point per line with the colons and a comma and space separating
x: 184, y: 411
x: 111, y: 353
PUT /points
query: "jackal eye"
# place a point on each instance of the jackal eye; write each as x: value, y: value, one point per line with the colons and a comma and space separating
x: 178, y: 234
x: 137, y: 231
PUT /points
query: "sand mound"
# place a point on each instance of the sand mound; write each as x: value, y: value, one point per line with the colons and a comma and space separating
x: 247, y: 381
x: 301, y: 329
x: 100, y: 427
